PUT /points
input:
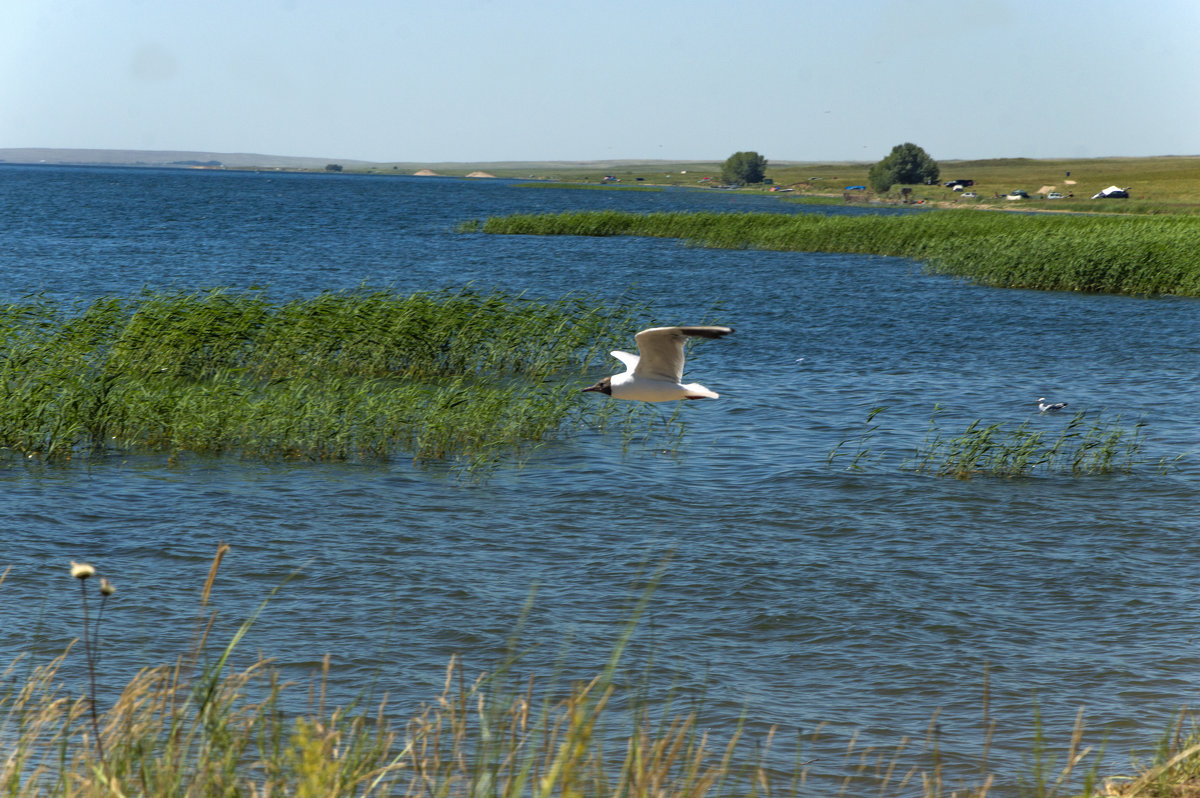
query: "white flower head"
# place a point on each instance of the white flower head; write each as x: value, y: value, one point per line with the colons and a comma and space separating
x: 81, y: 570
x: 106, y: 587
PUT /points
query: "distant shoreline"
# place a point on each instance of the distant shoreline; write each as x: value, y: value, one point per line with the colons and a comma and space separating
x: 1158, y: 184
x: 192, y: 159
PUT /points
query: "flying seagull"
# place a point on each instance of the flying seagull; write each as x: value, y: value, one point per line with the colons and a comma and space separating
x: 655, y: 374
x: 1049, y: 407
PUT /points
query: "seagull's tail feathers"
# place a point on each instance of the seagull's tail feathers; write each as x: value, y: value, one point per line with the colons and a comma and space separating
x: 697, y: 391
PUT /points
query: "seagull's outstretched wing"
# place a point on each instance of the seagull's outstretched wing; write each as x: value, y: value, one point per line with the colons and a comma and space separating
x: 661, y: 349
x: 630, y: 361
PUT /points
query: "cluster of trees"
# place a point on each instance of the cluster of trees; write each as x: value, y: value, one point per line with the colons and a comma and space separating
x: 743, y: 168
x: 906, y: 164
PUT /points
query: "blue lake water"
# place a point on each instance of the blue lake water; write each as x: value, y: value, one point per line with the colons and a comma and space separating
x: 798, y: 593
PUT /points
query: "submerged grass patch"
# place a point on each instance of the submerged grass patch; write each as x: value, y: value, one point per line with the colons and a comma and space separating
x: 1102, y: 254
x: 459, y: 376
x: 1085, y: 445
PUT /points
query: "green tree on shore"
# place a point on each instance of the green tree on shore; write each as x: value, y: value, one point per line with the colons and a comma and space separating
x: 907, y: 164
x: 744, y: 167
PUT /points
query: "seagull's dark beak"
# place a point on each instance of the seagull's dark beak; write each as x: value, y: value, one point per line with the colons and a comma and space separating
x: 604, y: 387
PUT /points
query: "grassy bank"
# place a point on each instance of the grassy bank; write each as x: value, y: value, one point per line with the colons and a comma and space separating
x: 1103, y: 254
x: 460, y: 376
x: 197, y: 725
x: 1159, y: 184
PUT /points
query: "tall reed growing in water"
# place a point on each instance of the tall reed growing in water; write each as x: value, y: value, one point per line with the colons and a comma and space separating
x: 463, y: 376
x: 1085, y: 445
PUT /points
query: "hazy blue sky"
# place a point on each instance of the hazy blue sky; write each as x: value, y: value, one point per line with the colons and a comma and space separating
x: 486, y: 80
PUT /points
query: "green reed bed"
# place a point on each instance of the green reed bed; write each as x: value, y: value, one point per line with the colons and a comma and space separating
x: 461, y: 376
x: 1063, y: 252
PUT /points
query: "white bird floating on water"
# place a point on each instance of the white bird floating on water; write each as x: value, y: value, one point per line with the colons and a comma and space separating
x: 1049, y: 407
x: 655, y: 374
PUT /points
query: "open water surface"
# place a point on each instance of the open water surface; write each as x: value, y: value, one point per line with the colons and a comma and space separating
x: 797, y: 593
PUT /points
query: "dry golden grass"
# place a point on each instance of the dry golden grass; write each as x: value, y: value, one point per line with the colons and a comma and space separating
x: 200, y: 727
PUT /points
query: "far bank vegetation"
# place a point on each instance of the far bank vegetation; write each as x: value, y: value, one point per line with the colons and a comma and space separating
x: 1058, y: 252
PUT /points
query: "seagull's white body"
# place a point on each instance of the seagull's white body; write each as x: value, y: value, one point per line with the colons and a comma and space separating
x: 655, y: 374
x: 1049, y: 407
